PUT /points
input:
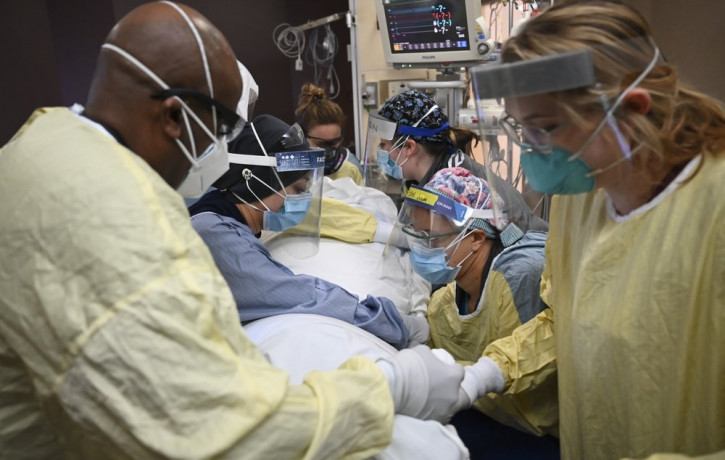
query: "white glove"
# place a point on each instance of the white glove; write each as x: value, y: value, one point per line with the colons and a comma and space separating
x: 422, y: 385
x: 418, y: 329
x: 482, y: 378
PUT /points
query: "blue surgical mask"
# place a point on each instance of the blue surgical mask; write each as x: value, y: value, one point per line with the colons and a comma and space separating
x: 430, y: 263
x: 554, y: 173
x: 389, y: 166
x: 293, y: 210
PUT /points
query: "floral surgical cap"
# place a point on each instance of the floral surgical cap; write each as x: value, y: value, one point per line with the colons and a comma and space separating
x: 462, y: 186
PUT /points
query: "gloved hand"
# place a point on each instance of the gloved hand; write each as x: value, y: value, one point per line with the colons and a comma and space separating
x: 418, y: 329
x: 482, y: 378
x: 422, y: 385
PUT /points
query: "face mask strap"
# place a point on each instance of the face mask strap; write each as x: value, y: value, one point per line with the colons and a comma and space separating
x: 399, y: 145
x: 433, y: 107
x: 194, y: 162
x: 274, y: 170
x: 252, y: 176
x: 609, y: 112
x: 202, y: 51
x: 457, y: 241
x: 406, y: 137
x: 597, y: 172
x: 245, y: 201
x: 186, y: 109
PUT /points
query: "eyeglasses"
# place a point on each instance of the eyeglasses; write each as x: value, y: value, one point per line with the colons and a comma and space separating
x: 529, y: 135
x: 231, y: 123
x: 334, y: 142
x: 424, y: 235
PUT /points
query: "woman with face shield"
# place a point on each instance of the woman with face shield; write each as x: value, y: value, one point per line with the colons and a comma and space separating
x: 323, y: 121
x: 274, y: 184
x: 635, y: 259
x: 421, y: 141
x: 490, y: 285
x: 410, y: 139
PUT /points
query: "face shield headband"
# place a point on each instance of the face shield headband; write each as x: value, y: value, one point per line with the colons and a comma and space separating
x: 552, y: 169
x: 279, y: 162
x: 550, y: 74
x: 459, y: 214
x: 405, y: 131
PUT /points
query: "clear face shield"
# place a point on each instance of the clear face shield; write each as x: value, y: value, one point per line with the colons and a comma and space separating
x: 384, y: 144
x: 376, y: 171
x: 556, y: 109
x: 432, y: 226
x: 299, y: 217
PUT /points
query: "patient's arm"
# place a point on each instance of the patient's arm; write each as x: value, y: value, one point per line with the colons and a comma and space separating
x: 263, y: 287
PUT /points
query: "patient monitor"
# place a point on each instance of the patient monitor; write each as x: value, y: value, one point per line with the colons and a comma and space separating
x: 433, y: 33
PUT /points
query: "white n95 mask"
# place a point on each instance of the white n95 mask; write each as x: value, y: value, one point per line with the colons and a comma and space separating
x: 209, y: 167
x: 211, y: 164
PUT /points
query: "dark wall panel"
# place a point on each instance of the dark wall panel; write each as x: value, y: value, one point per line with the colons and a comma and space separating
x: 28, y: 77
x: 49, y: 49
x: 77, y: 40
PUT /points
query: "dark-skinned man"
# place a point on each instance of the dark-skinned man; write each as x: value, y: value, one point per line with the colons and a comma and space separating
x: 118, y: 336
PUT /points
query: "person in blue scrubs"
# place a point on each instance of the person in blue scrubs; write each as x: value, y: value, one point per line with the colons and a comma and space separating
x: 250, y: 198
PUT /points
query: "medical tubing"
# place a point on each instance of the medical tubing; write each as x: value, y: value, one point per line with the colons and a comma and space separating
x: 290, y: 41
x: 330, y: 44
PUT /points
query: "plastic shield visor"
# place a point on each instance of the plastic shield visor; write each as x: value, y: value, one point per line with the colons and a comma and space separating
x: 304, y: 237
x: 432, y: 219
x: 379, y: 129
x: 516, y: 81
x: 499, y: 81
x: 592, y: 109
x: 546, y: 74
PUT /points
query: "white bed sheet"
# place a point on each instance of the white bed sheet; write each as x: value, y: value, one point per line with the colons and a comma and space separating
x: 300, y: 343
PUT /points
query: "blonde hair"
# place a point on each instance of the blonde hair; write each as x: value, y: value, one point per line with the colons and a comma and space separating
x: 314, y: 108
x: 681, y: 122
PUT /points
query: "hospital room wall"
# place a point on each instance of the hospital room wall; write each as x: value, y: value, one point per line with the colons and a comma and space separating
x: 49, y: 49
x: 690, y: 36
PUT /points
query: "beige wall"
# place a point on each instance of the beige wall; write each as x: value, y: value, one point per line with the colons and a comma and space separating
x: 691, y: 35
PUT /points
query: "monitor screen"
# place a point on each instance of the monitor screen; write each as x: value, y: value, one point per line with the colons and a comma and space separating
x: 430, y: 33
